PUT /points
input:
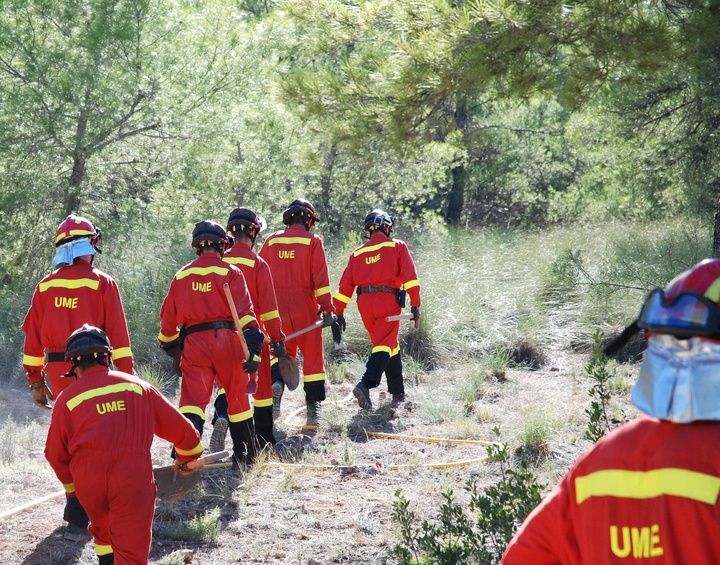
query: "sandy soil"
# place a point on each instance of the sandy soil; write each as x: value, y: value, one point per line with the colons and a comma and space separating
x: 325, y: 495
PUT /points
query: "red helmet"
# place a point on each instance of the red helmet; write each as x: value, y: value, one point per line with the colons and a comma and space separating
x: 74, y: 227
x: 300, y: 208
x: 703, y: 278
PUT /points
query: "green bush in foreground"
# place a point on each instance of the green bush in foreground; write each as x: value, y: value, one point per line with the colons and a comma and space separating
x: 476, y: 535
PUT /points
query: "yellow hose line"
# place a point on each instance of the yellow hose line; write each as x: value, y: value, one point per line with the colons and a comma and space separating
x: 27, y: 505
x: 378, y: 466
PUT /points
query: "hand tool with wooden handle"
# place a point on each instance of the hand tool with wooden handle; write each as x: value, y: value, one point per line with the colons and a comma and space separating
x: 252, y: 385
x: 172, y: 484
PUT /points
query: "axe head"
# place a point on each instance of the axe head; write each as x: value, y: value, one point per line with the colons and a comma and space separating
x: 173, y: 485
x: 252, y: 386
x: 289, y: 371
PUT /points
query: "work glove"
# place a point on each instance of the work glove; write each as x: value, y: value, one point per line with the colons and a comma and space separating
x: 41, y: 395
x: 251, y: 365
x: 415, y: 311
x: 172, y: 348
x: 277, y: 348
x: 340, y: 319
x: 328, y: 318
x: 254, y: 339
x: 181, y: 467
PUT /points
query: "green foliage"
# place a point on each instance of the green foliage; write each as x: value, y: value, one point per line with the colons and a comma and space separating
x: 204, y: 527
x: 477, y: 533
x: 600, y: 418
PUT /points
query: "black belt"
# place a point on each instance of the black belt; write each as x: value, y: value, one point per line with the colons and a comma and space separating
x: 364, y: 289
x: 54, y: 357
x: 217, y: 325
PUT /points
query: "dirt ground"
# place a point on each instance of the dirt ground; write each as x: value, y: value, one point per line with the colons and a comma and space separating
x: 325, y: 495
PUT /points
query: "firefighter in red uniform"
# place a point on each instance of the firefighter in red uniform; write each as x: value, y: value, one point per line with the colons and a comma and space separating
x: 302, y: 284
x: 196, y: 317
x: 648, y: 492
x: 73, y: 294
x: 245, y: 225
x: 99, y: 444
x: 383, y: 272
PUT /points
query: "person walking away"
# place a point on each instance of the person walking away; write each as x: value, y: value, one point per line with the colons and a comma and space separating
x: 302, y: 285
x: 75, y: 293
x: 648, y: 491
x: 195, y: 316
x: 383, y: 272
x: 244, y: 225
x: 99, y: 441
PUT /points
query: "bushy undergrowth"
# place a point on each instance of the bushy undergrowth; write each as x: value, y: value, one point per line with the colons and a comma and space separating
x: 478, y: 533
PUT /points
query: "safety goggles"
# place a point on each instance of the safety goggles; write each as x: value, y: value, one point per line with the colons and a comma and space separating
x: 686, y: 315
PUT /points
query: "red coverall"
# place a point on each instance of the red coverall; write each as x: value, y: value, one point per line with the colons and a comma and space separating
x: 63, y: 301
x: 196, y: 296
x: 381, y: 262
x: 302, y: 284
x: 645, y: 493
x: 262, y: 294
x: 99, y: 443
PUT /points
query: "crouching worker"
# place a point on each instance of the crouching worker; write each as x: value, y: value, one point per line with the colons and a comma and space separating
x: 99, y: 443
x: 648, y: 492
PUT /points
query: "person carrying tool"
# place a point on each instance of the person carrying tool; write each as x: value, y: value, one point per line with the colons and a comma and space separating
x: 649, y: 490
x: 302, y: 284
x: 99, y: 441
x: 383, y: 272
x: 75, y: 293
x: 196, y: 317
x: 245, y: 225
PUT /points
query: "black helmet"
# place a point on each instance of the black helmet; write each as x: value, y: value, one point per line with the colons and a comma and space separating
x: 245, y: 217
x: 379, y: 219
x: 86, y: 341
x: 208, y: 232
x: 300, y: 208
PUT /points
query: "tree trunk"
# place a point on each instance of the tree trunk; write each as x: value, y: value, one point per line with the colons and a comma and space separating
x: 332, y: 220
x: 456, y: 196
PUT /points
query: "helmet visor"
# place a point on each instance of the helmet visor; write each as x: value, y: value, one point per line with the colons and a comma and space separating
x: 688, y: 314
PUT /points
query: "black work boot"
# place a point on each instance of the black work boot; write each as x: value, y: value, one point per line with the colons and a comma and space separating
x: 244, y: 443
x: 313, y: 413
x: 278, y: 388
x: 263, y: 418
x: 362, y: 394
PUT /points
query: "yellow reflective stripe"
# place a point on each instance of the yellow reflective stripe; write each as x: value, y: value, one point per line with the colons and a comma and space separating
x: 32, y: 361
x: 69, y: 283
x: 713, y: 291
x: 121, y: 353
x: 166, y: 339
x: 381, y: 348
x: 649, y: 484
x: 102, y: 391
x: 322, y: 291
x: 342, y: 298
x: 197, y: 449
x: 314, y: 377
x: 288, y: 240
x: 72, y: 233
x: 101, y: 550
x: 241, y: 417
x: 273, y: 360
x: 263, y: 403
x: 411, y: 284
x: 240, y: 261
x: 269, y: 315
x: 202, y: 271
x: 69, y: 488
x: 245, y: 320
x: 371, y: 248
x: 395, y: 351
x: 193, y: 410
x: 221, y: 391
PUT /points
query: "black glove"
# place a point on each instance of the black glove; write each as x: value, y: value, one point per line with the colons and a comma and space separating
x: 277, y: 348
x: 328, y: 318
x: 172, y: 348
x: 340, y: 318
x: 251, y: 365
x: 254, y: 339
x: 415, y: 311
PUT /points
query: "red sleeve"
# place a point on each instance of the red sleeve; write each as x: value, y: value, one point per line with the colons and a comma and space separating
x: 346, y: 289
x: 268, y: 307
x: 56, y: 446
x: 408, y: 274
x: 172, y: 426
x: 33, y: 352
x: 541, y: 537
x: 168, y: 317
x: 321, y: 276
x: 116, y: 326
x: 241, y: 297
